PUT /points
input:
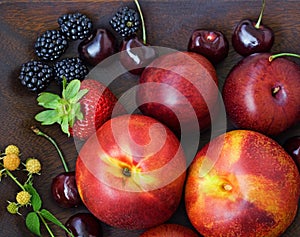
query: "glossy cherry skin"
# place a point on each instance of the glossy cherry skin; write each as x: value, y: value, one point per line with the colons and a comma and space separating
x: 64, y: 190
x: 247, y: 39
x: 98, y: 46
x: 210, y: 43
x: 292, y: 147
x: 135, y: 55
x: 84, y: 225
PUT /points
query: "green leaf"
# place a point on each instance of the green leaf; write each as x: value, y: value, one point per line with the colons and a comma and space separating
x: 36, y: 201
x: 72, y: 89
x: 33, y: 223
x: 79, y: 95
x: 47, y: 117
x: 50, y: 217
x: 78, y: 113
x: 48, y: 100
x: 65, y: 125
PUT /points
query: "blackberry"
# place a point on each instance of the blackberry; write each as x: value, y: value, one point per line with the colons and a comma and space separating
x: 51, y: 45
x: 75, y: 25
x: 70, y: 68
x: 36, y: 75
x: 125, y: 22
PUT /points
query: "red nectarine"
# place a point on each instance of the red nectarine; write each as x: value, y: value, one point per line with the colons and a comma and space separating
x: 250, y: 187
x: 130, y: 174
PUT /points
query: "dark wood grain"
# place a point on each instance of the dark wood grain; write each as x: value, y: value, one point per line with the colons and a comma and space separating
x: 169, y: 24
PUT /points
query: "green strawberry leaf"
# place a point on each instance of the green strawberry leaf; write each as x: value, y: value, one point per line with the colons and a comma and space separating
x: 65, y: 125
x: 71, y: 90
x: 78, y: 96
x: 47, y: 117
x: 64, y: 109
x: 78, y: 113
x: 33, y: 223
x: 48, y: 100
x: 50, y: 217
x: 36, y: 201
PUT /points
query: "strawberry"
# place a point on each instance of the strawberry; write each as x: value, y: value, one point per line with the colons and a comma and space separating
x: 82, y: 108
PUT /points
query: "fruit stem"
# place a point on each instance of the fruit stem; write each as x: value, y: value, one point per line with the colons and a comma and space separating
x: 126, y: 172
x: 40, y: 133
x: 272, y: 57
x: 142, y: 20
x: 261, y: 14
x: 227, y: 187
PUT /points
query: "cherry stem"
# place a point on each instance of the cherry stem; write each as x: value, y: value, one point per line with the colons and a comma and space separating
x: 142, y: 20
x: 40, y: 133
x: 272, y: 57
x: 261, y: 14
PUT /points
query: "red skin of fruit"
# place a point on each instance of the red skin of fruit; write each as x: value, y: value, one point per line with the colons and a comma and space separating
x: 250, y: 188
x: 247, y: 39
x: 196, y: 81
x: 249, y: 98
x: 128, y: 179
x: 135, y: 56
x: 210, y: 43
x: 169, y: 230
x: 97, y: 47
x: 98, y: 106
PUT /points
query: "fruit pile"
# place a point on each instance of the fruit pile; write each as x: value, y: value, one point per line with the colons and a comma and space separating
x: 133, y: 169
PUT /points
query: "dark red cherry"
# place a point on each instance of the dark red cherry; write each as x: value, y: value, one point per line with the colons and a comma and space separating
x: 135, y: 55
x: 209, y: 43
x: 64, y: 190
x: 84, y: 225
x: 98, y: 46
x: 292, y: 147
x: 252, y: 37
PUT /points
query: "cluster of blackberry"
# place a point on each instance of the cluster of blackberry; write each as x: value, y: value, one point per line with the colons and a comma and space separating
x: 125, y: 22
x: 36, y: 75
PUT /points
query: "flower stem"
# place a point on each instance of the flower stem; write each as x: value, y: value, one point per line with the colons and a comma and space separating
x: 260, y: 15
x: 40, y: 133
x: 14, y: 179
x: 272, y: 57
x: 45, y: 224
x: 142, y: 20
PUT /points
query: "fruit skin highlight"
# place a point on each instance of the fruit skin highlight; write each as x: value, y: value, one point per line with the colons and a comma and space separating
x: 252, y: 188
x: 130, y: 174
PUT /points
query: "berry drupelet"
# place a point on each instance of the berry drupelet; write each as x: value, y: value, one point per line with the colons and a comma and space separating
x: 125, y: 22
x: 75, y: 25
x: 36, y: 75
x: 70, y: 68
x: 51, y: 45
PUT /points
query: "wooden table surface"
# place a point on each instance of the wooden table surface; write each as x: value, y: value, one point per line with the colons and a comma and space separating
x: 169, y: 24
